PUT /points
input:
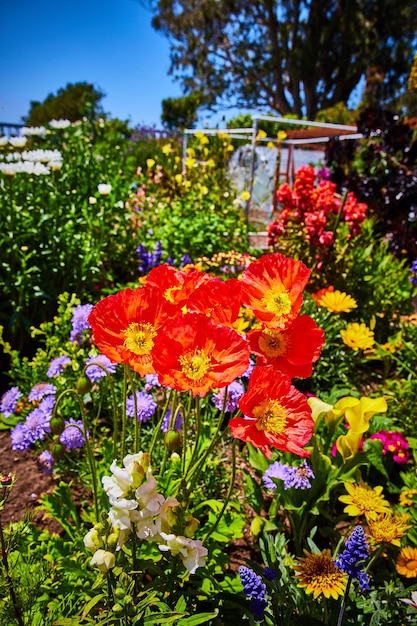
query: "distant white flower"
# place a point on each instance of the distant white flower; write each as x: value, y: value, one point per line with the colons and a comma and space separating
x: 55, y: 165
x: 92, y: 200
x: 59, y: 124
x: 43, y: 156
x: 14, y: 156
x: 17, y: 142
x: 8, y: 169
x: 33, y: 131
x: 104, y: 560
x: 4, y: 140
x: 104, y: 189
x: 191, y: 551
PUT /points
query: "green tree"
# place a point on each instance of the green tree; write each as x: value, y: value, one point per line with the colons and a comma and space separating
x: 73, y: 102
x: 180, y: 113
x: 291, y: 56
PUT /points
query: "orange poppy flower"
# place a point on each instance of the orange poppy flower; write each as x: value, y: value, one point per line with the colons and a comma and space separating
x: 275, y: 414
x: 176, y: 285
x: 218, y: 299
x: 272, y: 286
x: 291, y: 350
x: 125, y: 325
x: 194, y: 354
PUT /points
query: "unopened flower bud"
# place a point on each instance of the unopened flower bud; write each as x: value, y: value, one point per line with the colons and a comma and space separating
x: 172, y: 440
x: 57, y: 425
x: 58, y: 451
x: 84, y: 385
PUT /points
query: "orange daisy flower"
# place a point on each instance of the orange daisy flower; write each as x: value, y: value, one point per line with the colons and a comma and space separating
x: 219, y: 300
x: 176, y: 285
x: 272, y: 286
x: 406, y: 563
x: 275, y: 414
x: 194, y: 354
x: 125, y: 325
x: 292, y: 350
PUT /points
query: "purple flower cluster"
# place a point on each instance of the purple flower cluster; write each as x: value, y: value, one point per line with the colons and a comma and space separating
x: 394, y: 443
x: 40, y: 391
x: 46, y: 462
x: 254, y: 589
x: 35, y: 427
x: 8, y: 401
x: 79, y: 322
x: 145, y: 406
x: 95, y: 372
x: 72, y: 436
x: 167, y: 419
x: 57, y: 365
x: 234, y: 391
x: 147, y: 259
x: 152, y: 380
x: 356, y: 550
x: 293, y: 476
x: 413, y: 269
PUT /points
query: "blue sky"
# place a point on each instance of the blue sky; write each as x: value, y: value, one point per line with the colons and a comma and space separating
x: 48, y: 43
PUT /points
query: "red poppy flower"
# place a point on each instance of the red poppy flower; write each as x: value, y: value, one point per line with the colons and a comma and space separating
x: 272, y: 286
x: 126, y: 324
x: 275, y: 414
x: 176, y: 285
x: 291, y: 350
x: 218, y: 299
x: 194, y: 354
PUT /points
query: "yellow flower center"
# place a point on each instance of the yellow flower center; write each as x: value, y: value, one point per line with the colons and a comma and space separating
x: 168, y: 293
x: 277, y: 301
x: 272, y: 343
x: 411, y: 565
x: 195, y: 363
x: 271, y: 416
x: 139, y: 337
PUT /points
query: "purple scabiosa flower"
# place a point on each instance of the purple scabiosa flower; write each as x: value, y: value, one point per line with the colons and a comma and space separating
x: 145, y: 406
x: 152, y: 380
x: 249, y: 370
x: 413, y: 269
x: 356, y: 550
x: 57, y: 365
x: 254, y: 589
x: 20, y: 437
x: 234, y: 391
x: 276, y: 470
x: 72, y: 437
x: 37, y: 424
x: 46, y: 462
x: 185, y: 260
x: 79, y: 322
x: 95, y: 372
x: 8, y: 402
x: 40, y: 390
x: 167, y: 419
x: 299, y: 477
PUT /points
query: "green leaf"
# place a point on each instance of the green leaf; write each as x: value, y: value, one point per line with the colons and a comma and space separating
x: 257, y: 459
x: 91, y: 604
x: 162, y: 618
x: 194, y: 620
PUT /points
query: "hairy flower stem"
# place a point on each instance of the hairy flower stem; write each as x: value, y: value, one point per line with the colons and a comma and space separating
x: 90, y: 456
x: 136, y: 441
x: 157, y: 430
x: 123, y: 433
x: 228, y: 495
x: 344, y: 603
x: 9, y: 581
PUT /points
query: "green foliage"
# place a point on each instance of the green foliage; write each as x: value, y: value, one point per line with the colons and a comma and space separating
x: 72, y: 102
x: 180, y: 113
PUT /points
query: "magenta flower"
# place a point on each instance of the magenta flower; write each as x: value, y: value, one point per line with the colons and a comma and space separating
x: 393, y: 443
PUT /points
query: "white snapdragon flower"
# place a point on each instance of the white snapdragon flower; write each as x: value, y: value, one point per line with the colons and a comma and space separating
x: 55, y: 165
x: 59, y: 124
x: 4, y: 140
x: 191, y: 551
x: 17, y: 142
x: 149, y: 504
x: 8, y: 169
x: 166, y: 518
x: 104, y: 560
x: 92, y: 540
x: 104, y: 189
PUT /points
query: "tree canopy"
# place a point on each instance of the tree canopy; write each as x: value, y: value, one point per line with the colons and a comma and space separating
x: 289, y: 56
x: 73, y: 102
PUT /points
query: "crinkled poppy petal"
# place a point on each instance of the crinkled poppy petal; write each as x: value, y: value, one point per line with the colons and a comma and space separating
x: 292, y: 350
x: 176, y: 285
x: 194, y: 354
x: 277, y: 414
x: 218, y: 299
x: 125, y: 325
x: 272, y: 286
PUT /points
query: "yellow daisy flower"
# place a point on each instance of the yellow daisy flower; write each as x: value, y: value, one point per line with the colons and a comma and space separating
x: 337, y: 302
x: 363, y: 500
x: 408, y: 497
x: 319, y: 575
x: 406, y: 563
x: 357, y: 336
x: 388, y: 528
